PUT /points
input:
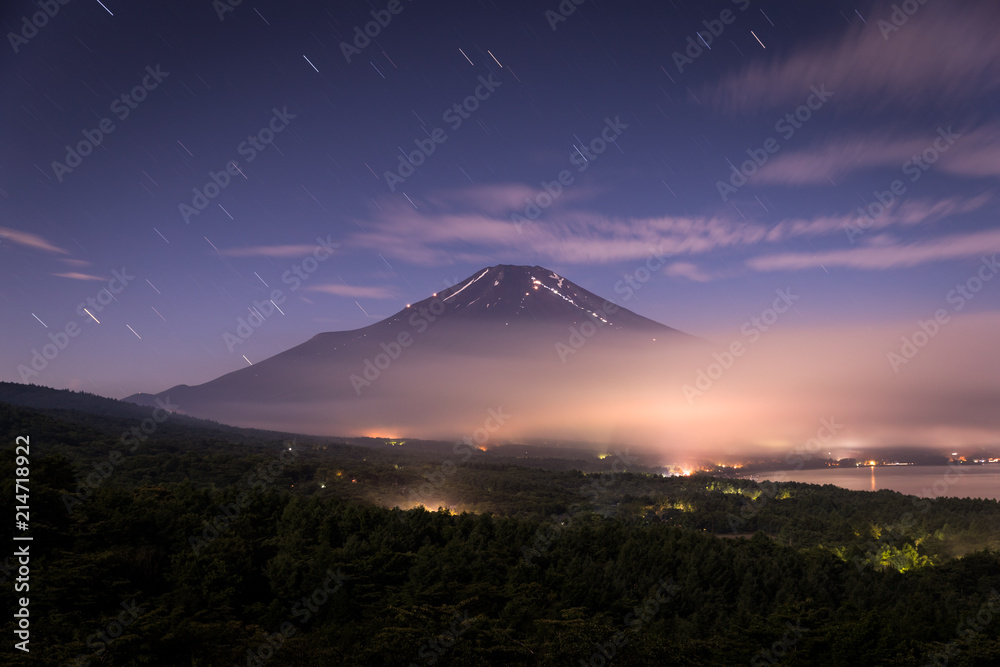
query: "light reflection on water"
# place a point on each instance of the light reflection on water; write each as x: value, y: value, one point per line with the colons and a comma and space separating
x: 970, y: 481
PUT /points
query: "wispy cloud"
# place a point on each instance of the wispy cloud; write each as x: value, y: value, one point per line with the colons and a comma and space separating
x: 269, y: 251
x: 900, y: 213
x: 431, y: 236
x: 863, y: 68
x: 354, y: 291
x: 687, y: 270
x: 501, y: 198
x: 29, y: 240
x: 974, y: 153
x: 886, y: 255
x: 78, y: 276
x: 74, y: 262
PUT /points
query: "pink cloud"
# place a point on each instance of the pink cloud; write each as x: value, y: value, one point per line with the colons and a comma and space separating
x: 886, y: 255
x: 354, y: 291
x: 866, y: 68
x: 500, y: 199
x: 428, y: 236
x: 916, y: 211
x: 431, y: 236
x: 29, y: 240
x: 78, y: 276
x: 270, y: 251
x: 974, y: 153
x: 687, y: 270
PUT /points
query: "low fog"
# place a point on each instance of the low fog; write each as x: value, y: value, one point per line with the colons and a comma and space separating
x: 680, y: 396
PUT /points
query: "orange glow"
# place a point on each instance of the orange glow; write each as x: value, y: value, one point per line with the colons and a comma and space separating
x: 682, y: 403
x: 378, y: 435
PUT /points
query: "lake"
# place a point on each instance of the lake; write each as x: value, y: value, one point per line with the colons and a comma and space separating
x: 973, y: 481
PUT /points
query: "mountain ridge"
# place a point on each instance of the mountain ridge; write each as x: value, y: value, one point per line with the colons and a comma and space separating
x: 514, y: 324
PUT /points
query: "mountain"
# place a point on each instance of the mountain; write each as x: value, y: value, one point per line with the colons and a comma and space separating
x: 505, y: 336
x: 121, y: 416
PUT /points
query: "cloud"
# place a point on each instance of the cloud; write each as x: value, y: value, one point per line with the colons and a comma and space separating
x: 78, y: 276
x: 900, y: 212
x: 940, y: 394
x: 945, y: 52
x: 687, y: 270
x: 29, y: 240
x: 354, y: 291
x: 888, y: 256
x: 429, y: 236
x: 269, y: 251
x: 974, y: 153
x: 432, y: 236
x: 916, y: 211
x: 502, y: 198
x: 979, y: 155
x: 627, y: 392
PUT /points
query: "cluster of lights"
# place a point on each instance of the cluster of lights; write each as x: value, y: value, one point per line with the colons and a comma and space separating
x: 872, y: 463
x: 536, y: 282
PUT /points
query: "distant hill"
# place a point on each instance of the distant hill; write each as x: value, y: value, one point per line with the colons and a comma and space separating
x: 80, y: 417
x: 114, y: 416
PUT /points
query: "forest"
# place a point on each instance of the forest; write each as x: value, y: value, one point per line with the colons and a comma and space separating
x: 194, y: 543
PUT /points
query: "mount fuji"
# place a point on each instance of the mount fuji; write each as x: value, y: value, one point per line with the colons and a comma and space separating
x: 552, y: 354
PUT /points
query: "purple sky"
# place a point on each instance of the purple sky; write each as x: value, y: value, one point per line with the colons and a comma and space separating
x: 841, y: 104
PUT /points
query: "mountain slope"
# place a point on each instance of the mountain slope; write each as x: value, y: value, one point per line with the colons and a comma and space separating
x: 505, y: 332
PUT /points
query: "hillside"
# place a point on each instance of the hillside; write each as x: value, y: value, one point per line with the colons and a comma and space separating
x: 221, y: 545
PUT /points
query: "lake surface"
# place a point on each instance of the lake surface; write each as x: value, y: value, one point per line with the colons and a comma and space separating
x: 975, y: 481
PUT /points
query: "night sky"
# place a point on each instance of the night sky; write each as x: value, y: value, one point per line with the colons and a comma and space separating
x: 848, y: 152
